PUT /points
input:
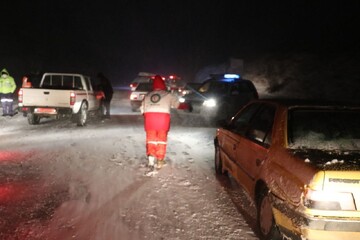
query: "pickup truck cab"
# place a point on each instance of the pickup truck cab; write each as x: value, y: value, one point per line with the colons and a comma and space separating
x: 61, y: 95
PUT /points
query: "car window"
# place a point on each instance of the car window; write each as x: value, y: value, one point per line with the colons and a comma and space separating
x: 205, y: 87
x: 242, y: 120
x: 46, y: 82
x: 192, y: 86
x: 78, y: 84
x: 87, y: 82
x: 261, y: 125
x: 324, y: 129
x: 56, y: 81
x: 217, y: 87
x: 144, y: 87
x: 52, y: 81
x: 67, y: 82
x: 242, y: 87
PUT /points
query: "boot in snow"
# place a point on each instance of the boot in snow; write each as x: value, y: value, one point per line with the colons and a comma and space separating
x: 151, y: 161
x: 160, y: 163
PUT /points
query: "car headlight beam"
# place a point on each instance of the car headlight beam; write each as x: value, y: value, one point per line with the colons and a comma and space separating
x: 329, y: 200
x: 181, y: 99
x: 210, y: 102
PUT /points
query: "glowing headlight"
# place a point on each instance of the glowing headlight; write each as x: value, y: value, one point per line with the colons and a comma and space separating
x: 210, y: 103
x: 328, y: 200
x: 181, y: 100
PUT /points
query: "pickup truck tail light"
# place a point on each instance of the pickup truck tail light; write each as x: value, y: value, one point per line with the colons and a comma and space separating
x: 72, y: 98
x: 20, y: 96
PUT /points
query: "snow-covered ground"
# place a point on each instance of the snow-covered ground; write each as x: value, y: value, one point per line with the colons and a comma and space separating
x: 60, y: 181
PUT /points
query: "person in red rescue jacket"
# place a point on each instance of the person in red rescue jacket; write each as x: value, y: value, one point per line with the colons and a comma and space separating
x: 156, y: 108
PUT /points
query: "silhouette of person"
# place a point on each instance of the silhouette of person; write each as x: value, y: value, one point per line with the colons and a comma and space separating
x: 106, y: 87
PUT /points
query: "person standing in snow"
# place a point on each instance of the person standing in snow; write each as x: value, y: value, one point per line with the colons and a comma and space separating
x: 106, y: 87
x: 7, y: 88
x: 156, y: 108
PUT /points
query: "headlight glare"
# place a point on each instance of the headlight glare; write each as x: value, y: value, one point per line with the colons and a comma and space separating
x: 329, y: 200
x: 210, y: 103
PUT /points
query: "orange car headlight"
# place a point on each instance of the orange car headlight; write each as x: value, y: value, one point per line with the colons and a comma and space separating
x: 329, y: 200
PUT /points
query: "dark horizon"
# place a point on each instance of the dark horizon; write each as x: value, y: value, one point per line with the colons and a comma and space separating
x: 123, y: 38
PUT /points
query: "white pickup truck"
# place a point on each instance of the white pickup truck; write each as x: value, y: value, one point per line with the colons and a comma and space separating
x: 61, y: 95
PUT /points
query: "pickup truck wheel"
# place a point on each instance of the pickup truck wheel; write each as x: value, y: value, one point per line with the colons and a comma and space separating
x: 265, y: 218
x: 33, y: 119
x: 218, y: 162
x: 82, y: 115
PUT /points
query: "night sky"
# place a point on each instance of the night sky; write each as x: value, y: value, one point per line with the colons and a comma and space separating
x: 125, y: 37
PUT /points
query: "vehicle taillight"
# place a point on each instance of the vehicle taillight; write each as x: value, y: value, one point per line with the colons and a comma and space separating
x: 20, y: 96
x: 134, y: 85
x: 72, y: 98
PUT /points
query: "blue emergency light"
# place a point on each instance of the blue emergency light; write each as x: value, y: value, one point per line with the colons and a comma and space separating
x: 233, y: 76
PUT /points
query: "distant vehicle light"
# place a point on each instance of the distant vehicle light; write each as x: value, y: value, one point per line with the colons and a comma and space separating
x: 210, y: 103
x: 181, y: 100
x: 133, y: 96
x: 233, y: 76
x: 134, y: 85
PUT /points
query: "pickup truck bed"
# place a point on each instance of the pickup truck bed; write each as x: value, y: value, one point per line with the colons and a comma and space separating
x: 61, y: 94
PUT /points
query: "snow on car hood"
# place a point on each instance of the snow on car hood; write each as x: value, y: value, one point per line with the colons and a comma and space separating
x: 330, y: 160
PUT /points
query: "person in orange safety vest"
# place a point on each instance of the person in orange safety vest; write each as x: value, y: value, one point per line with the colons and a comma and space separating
x: 156, y: 108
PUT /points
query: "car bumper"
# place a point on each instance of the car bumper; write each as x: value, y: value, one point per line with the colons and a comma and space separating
x: 331, y: 229
x: 299, y: 225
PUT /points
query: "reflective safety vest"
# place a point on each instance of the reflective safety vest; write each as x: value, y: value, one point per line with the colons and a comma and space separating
x: 7, y: 85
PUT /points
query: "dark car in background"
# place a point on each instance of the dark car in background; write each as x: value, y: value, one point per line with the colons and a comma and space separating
x: 142, y: 77
x: 220, y: 97
x: 188, y: 88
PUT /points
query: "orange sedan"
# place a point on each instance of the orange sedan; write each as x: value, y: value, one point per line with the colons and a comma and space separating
x: 300, y: 163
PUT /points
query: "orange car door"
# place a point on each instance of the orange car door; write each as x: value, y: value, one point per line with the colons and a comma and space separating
x: 252, y: 150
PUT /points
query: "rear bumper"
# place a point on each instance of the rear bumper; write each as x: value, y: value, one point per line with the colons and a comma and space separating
x: 47, y: 111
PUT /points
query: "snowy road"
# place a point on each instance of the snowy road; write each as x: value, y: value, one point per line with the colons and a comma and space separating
x: 60, y: 181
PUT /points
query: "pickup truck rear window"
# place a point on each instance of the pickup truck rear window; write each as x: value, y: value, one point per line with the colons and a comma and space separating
x: 62, y: 82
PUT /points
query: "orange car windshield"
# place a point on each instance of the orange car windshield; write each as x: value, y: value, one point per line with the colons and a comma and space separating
x: 324, y: 129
